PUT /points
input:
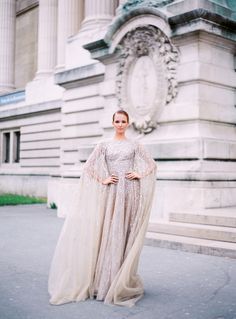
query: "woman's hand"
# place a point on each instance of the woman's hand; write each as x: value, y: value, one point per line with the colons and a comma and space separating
x: 113, y: 179
x: 132, y: 175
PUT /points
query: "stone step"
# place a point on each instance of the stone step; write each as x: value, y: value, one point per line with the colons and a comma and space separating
x: 219, y: 233
x: 193, y: 245
x: 216, y: 217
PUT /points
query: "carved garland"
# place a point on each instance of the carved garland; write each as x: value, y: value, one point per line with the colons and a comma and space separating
x: 153, y: 43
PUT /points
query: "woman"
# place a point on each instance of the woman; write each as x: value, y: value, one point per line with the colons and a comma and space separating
x: 98, y: 250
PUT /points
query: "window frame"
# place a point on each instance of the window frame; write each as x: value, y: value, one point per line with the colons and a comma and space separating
x: 14, y: 147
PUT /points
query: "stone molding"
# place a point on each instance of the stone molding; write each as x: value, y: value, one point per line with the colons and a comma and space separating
x: 147, y: 45
x: 98, y: 13
x: 93, y: 73
x: 203, y: 15
x: 12, y: 97
x: 133, y: 4
x: 30, y: 110
x: 25, y: 5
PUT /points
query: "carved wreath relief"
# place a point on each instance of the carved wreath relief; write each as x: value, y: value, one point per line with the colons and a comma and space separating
x: 146, y: 78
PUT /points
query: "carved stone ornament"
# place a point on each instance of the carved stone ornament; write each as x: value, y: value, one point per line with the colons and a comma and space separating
x: 132, y: 4
x: 146, y: 79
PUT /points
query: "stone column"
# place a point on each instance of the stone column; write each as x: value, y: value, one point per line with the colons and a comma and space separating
x: 98, y: 13
x: 70, y: 14
x: 47, y: 38
x: 7, y: 44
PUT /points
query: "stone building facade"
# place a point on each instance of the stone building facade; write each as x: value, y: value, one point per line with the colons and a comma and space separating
x: 67, y: 65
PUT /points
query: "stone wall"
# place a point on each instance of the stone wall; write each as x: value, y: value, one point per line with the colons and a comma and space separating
x: 39, y: 126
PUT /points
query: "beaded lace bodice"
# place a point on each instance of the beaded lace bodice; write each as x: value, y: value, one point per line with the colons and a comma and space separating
x: 119, y: 157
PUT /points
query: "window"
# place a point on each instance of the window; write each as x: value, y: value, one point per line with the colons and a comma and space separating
x: 10, y: 147
x: 6, y: 147
x: 16, y: 147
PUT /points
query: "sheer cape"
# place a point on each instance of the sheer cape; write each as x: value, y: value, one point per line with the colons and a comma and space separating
x: 73, y: 266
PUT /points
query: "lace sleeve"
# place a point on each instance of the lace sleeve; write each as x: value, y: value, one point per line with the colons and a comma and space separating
x: 149, y: 165
x: 95, y: 162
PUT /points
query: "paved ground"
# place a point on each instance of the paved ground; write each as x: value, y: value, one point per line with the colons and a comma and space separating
x: 178, y: 285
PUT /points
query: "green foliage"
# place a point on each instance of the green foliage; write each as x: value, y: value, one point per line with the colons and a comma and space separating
x: 14, y: 199
x: 53, y: 205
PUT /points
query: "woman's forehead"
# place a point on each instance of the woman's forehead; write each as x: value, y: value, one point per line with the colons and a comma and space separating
x: 119, y: 116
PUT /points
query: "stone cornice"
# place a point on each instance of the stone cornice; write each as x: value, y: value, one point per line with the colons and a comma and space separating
x: 30, y: 110
x: 93, y: 73
x: 98, y: 49
x: 204, y: 15
x: 198, y: 17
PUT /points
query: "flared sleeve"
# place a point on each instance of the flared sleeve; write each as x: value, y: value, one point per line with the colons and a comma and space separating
x: 95, y: 166
x: 72, y: 268
x: 144, y: 163
x: 127, y: 287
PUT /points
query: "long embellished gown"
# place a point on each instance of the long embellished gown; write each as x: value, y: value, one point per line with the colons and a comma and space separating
x: 99, y: 246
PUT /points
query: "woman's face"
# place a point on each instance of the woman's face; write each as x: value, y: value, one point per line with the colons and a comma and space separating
x: 120, y: 123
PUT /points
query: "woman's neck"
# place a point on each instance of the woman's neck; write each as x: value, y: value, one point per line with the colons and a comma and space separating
x: 119, y: 137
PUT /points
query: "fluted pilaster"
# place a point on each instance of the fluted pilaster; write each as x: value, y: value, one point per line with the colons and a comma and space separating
x: 7, y: 44
x: 47, y: 37
x: 98, y: 13
x: 70, y: 13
